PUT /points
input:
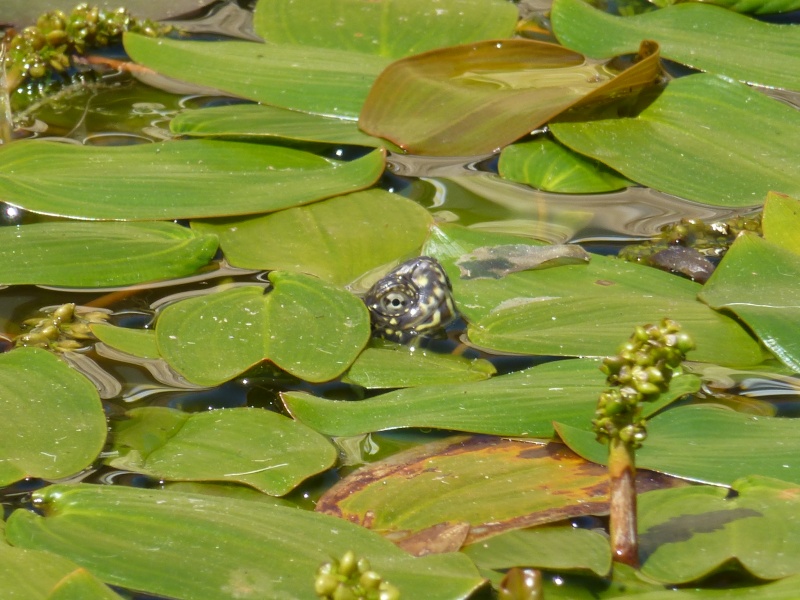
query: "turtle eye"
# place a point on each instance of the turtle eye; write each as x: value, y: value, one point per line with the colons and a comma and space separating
x: 395, y: 300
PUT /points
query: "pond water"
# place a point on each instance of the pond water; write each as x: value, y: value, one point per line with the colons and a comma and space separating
x: 115, y: 109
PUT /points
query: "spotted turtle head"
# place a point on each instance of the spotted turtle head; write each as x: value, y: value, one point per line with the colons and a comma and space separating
x: 414, y: 299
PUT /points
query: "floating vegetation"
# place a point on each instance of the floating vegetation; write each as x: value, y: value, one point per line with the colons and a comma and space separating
x: 63, y: 329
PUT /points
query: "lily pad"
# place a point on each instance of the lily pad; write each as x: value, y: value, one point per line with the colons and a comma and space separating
x: 689, y: 533
x: 491, y: 484
x: 554, y: 548
x: 307, y: 327
x: 257, y: 121
x: 252, y: 446
x: 100, y: 254
x: 321, y: 81
x: 52, y: 423
x: 706, y: 37
x: 757, y: 280
x: 707, y: 444
x: 748, y: 146
x: 581, y: 310
x: 547, y: 165
x: 173, y: 180
x: 476, y: 98
x: 337, y: 240
x: 398, y: 368
x: 522, y: 404
x: 249, y: 549
x: 391, y: 28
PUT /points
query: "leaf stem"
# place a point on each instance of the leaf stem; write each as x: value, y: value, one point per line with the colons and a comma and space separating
x: 622, y: 516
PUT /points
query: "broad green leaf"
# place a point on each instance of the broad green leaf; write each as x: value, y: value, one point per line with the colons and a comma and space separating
x: 758, y: 7
x: 256, y: 121
x: 225, y: 490
x: 398, y: 367
x: 252, y: 446
x: 82, y: 585
x: 709, y: 38
x: 492, y: 484
x: 553, y: 548
x: 337, y: 240
x: 477, y: 98
x: 758, y: 281
x: 707, y: 444
x: 171, y: 180
x: 689, y: 533
x: 748, y: 146
x: 390, y: 28
x: 138, y: 342
x: 217, y: 548
x: 52, y: 424
x: 547, y: 165
x: 100, y: 254
x: 322, y: 81
x: 307, y: 327
x: 581, y: 310
x: 780, y: 221
x: 522, y: 404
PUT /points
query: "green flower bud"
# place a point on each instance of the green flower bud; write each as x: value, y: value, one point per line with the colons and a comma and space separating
x: 388, y: 592
x: 348, y: 564
x: 325, y: 584
x: 369, y: 580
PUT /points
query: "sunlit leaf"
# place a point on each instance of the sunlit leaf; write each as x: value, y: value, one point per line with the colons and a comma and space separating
x: 138, y: 342
x: 390, y: 28
x: 709, y: 38
x: 397, y: 368
x: 581, y: 310
x: 780, y: 221
x: 52, y: 424
x: 708, y: 444
x: 257, y: 121
x: 688, y: 533
x: 322, y: 81
x: 247, y: 550
x: 554, y: 548
x: 748, y: 146
x: 521, y: 404
x: 758, y: 7
x: 253, y: 446
x: 100, y: 254
x: 337, y: 240
x: 547, y: 165
x: 309, y: 328
x: 494, y: 485
x: 477, y: 98
x: 171, y: 180
x: 758, y: 281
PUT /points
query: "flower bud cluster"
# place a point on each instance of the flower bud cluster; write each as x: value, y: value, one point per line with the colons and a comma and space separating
x: 39, y: 50
x: 640, y: 372
x: 62, y: 330
x: 351, y: 578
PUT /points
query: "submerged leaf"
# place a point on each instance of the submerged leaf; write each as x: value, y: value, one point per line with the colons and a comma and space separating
x: 173, y: 180
x: 494, y: 262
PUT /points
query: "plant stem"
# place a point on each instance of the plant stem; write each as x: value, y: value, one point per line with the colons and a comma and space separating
x: 622, y: 521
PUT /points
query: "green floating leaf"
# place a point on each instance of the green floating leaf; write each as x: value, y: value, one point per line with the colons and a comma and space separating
x: 138, y: 342
x: 780, y: 221
x: 547, y: 165
x: 493, y: 485
x: 172, y: 180
x: 707, y: 444
x: 258, y: 121
x: 748, y: 146
x: 477, y: 98
x: 553, y: 548
x: 688, y: 533
x: 337, y: 240
x: 52, y: 424
x: 217, y: 548
x: 522, y: 404
x: 391, y: 28
x: 322, y: 81
x: 100, y: 254
x: 581, y: 310
x: 307, y: 327
x: 757, y: 281
x: 758, y: 7
x: 252, y: 446
x: 709, y: 38
x: 398, y: 368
